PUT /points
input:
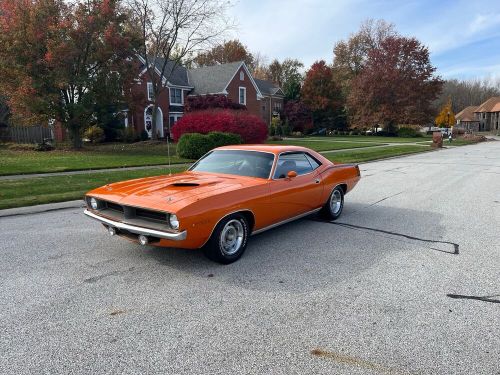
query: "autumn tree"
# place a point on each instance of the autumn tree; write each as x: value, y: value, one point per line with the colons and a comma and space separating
x: 55, y: 55
x: 172, y: 30
x: 446, y: 117
x: 351, y: 55
x: 298, y: 115
x: 396, y: 86
x: 227, y: 52
x: 322, y: 96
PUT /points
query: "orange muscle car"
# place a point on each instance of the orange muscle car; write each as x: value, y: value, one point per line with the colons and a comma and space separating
x: 223, y: 198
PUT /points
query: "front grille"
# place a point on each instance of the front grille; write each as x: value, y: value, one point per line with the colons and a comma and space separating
x: 132, y: 215
x: 148, y: 214
x: 114, y: 206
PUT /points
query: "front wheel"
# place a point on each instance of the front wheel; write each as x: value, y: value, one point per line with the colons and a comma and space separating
x: 333, y: 207
x: 229, y: 240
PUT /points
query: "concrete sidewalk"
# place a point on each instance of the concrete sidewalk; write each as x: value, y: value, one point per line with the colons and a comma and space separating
x: 28, y: 210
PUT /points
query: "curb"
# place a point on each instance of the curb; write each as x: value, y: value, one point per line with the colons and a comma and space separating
x: 29, y: 210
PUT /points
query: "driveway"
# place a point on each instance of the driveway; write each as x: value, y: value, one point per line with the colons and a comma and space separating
x: 406, y: 282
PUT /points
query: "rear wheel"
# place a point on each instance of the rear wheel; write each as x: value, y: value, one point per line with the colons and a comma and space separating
x: 229, y: 240
x: 335, y: 204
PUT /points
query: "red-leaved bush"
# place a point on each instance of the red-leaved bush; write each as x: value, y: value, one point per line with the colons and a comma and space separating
x: 250, y: 127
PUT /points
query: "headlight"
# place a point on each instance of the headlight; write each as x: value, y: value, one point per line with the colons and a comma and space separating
x: 93, y: 203
x: 173, y: 221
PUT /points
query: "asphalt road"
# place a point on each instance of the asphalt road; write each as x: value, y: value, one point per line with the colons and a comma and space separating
x: 406, y: 282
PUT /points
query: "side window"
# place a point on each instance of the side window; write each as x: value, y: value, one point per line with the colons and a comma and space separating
x: 314, y: 163
x: 296, y: 161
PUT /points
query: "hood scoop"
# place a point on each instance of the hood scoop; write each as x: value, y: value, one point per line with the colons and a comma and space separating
x: 193, y: 183
x: 185, y: 184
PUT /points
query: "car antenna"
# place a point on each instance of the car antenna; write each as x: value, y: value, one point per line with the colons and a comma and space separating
x: 168, y: 151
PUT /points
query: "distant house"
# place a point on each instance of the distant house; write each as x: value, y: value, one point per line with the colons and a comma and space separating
x: 272, y: 101
x: 488, y: 114
x: 234, y: 80
x: 485, y: 117
x: 466, y: 119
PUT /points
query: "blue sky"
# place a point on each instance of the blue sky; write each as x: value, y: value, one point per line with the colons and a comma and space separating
x: 463, y: 36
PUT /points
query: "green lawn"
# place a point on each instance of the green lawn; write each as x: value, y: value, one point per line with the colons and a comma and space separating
x: 324, y: 145
x: 40, y: 190
x: 91, y: 157
x: 358, y: 156
x: 372, y: 138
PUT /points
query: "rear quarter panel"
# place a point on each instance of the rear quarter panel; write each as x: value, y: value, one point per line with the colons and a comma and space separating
x: 342, y: 174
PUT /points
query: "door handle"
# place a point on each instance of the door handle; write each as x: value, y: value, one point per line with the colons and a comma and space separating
x: 317, y: 180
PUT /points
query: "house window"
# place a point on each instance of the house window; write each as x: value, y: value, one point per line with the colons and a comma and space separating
x: 277, y: 106
x: 176, y: 97
x: 243, y: 95
x: 242, y: 76
x: 151, y: 93
x: 174, y: 117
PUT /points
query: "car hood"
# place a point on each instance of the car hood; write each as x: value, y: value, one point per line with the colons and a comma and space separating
x: 169, y: 193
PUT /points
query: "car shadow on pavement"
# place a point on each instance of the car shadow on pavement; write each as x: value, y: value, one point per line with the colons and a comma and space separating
x: 309, y: 254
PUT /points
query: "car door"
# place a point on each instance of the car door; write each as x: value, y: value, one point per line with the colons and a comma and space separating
x: 290, y: 197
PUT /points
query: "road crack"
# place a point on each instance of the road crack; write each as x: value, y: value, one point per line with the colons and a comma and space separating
x: 359, y: 227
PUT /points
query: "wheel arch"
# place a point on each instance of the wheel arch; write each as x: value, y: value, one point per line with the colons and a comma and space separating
x: 247, y: 213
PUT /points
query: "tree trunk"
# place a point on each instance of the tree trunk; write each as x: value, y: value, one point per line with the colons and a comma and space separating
x: 76, y: 138
x: 74, y: 128
x: 154, y: 131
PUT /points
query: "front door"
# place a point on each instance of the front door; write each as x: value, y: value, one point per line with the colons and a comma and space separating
x: 148, y: 121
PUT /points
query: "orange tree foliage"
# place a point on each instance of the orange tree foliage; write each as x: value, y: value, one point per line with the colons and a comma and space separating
x: 56, y: 56
x: 446, y: 117
x: 322, y: 96
x: 396, y: 85
x: 230, y: 51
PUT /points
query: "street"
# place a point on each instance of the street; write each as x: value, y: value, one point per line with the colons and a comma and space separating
x: 407, y: 281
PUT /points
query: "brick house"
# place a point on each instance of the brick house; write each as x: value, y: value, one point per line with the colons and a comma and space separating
x: 466, y: 120
x: 488, y: 114
x: 272, y: 99
x: 233, y: 80
x: 485, y: 117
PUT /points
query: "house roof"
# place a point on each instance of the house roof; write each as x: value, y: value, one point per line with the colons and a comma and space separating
x: 177, y: 74
x: 268, y: 87
x: 212, y: 79
x: 491, y: 105
x: 466, y: 114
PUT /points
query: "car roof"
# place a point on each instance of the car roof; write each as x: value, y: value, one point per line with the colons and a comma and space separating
x: 275, y: 149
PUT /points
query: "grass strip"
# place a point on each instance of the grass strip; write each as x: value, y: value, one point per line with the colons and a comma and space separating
x: 358, y: 156
x: 323, y: 145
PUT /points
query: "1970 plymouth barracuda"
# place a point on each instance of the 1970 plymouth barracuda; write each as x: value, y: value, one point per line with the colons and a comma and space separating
x: 229, y: 194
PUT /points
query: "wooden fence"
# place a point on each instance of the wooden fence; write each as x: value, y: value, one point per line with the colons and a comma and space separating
x: 26, y: 134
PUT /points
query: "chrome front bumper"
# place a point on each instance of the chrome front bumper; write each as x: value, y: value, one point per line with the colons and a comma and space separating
x: 138, y: 230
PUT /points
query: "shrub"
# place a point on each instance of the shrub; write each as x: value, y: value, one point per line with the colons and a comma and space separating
x: 128, y: 135
x: 45, y: 146
x: 285, y: 129
x: 407, y: 132
x: 251, y: 128
x: 94, y: 134
x: 195, y: 145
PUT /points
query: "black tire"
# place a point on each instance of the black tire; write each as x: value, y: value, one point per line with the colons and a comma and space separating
x: 233, y: 229
x: 334, y: 205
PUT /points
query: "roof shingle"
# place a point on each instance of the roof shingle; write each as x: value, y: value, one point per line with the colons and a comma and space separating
x: 491, y: 105
x: 212, y: 79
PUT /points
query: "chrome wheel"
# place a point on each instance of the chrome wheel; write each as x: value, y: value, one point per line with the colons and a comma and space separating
x: 336, y: 202
x: 231, y: 237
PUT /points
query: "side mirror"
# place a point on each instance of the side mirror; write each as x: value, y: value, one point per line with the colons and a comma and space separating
x: 291, y: 174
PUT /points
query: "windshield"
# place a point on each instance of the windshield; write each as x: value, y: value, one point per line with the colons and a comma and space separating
x: 238, y: 162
